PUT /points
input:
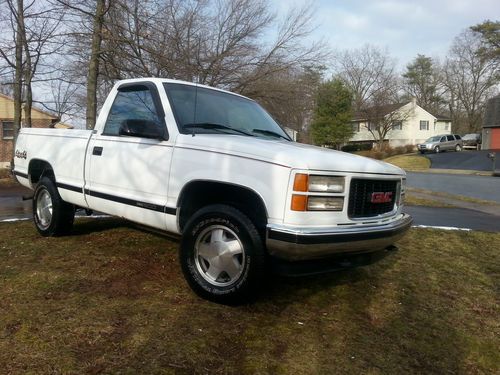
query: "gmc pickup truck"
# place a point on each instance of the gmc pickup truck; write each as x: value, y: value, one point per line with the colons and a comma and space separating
x: 214, y: 167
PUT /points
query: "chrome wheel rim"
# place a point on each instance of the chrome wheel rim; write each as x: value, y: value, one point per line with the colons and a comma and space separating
x: 458, y: 148
x: 219, y: 255
x: 44, y: 209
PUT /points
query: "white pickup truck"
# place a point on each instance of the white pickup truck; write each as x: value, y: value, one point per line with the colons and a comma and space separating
x: 214, y: 167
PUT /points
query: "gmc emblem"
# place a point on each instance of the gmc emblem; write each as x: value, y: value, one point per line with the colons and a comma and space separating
x: 381, y: 197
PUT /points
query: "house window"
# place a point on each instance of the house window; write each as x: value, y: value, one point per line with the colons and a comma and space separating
x: 355, y: 127
x: 7, y: 129
x: 447, y: 126
x: 397, y: 125
x: 424, y: 125
x: 372, y: 126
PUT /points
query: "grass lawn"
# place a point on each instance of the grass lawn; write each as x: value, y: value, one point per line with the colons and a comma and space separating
x: 410, y: 162
x: 111, y: 299
x: 413, y: 200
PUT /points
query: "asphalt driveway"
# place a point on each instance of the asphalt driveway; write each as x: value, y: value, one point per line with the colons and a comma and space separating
x: 470, y: 160
x: 479, y: 187
x: 454, y: 217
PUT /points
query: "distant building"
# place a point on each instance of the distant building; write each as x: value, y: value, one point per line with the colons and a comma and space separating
x: 417, y: 125
x: 39, y: 119
x: 491, y: 125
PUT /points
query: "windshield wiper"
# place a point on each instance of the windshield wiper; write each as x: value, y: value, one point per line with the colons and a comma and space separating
x: 211, y: 125
x: 271, y: 133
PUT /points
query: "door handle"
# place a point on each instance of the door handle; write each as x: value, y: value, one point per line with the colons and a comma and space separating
x: 97, y: 151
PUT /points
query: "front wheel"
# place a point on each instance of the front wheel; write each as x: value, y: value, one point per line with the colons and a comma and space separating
x: 437, y: 150
x: 222, y: 255
x: 52, y: 215
x: 458, y: 148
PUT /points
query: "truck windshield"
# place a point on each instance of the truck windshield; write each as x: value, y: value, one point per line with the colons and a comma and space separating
x: 433, y: 139
x: 202, y: 110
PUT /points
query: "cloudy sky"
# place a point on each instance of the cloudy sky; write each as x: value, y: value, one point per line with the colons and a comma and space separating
x: 405, y: 27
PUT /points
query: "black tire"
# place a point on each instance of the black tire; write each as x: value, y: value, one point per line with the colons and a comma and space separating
x: 60, y: 220
x: 230, y: 227
x: 437, y: 150
x: 422, y: 152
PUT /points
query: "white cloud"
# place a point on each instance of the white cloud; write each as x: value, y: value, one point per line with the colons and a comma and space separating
x: 406, y: 27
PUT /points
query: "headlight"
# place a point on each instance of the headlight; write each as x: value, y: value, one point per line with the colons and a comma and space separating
x: 320, y: 184
x: 325, y: 204
x: 326, y: 184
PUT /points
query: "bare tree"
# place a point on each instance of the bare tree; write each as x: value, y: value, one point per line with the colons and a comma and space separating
x: 92, y: 14
x: 290, y: 96
x: 11, y: 50
x: 383, y: 115
x: 366, y: 72
x: 471, y: 77
x: 63, y: 100
x: 218, y: 43
x: 28, y: 42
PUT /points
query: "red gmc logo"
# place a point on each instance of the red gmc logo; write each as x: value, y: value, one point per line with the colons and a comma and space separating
x: 381, y: 197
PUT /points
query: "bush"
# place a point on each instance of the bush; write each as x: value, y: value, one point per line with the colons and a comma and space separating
x: 353, y: 147
x: 410, y: 148
x: 387, y: 151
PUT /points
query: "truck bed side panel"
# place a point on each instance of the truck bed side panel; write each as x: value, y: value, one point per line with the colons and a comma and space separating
x: 64, y: 150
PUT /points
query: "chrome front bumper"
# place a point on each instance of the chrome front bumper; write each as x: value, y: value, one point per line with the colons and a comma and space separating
x: 294, y: 244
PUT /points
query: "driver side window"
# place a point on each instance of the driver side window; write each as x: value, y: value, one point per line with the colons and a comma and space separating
x: 443, y: 139
x: 135, y: 103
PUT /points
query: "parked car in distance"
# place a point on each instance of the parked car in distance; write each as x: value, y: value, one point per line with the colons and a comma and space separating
x: 472, y: 141
x: 440, y: 143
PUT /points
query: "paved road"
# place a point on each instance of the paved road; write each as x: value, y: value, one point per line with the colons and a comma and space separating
x: 454, y: 217
x: 11, y: 204
x: 480, y: 187
x: 471, y: 160
x: 12, y: 207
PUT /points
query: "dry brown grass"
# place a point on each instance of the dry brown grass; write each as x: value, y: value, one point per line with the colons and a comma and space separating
x: 410, y: 162
x: 111, y: 299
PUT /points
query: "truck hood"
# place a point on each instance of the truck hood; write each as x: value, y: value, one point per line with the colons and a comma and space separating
x: 289, y: 154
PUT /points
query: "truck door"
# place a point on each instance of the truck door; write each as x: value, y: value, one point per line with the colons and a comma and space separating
x: 128, y: 159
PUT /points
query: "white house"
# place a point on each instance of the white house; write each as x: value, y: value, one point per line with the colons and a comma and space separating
x: 412, y: 124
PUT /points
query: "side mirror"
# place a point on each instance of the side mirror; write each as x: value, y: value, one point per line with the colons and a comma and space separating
x: 142, y: 128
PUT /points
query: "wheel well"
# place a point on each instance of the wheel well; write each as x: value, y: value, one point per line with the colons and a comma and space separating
x: 198, y: 194
x: 38, y: 169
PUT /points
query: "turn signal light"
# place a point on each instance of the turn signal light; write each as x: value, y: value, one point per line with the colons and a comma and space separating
x: 299, y: 202
x: 301, y: 182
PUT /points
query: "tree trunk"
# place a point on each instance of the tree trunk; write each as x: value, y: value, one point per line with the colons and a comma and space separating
x: 18, y: 74
x: 28, y: 103
x: 93, y: 71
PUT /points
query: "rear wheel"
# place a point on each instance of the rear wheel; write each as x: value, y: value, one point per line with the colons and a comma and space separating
x: 437, y: 150
x: 458, y: 148
x: 52, y: 215
x: 222, y: 255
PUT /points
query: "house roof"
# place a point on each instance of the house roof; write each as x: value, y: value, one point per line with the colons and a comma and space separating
x: 440, y: 117
x: 389, y: 108
x: 48, y: 114
x: 381, y: 111
x: 492, y: 113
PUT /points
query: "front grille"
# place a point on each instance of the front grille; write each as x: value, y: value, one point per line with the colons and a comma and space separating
x: 360, y: 196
